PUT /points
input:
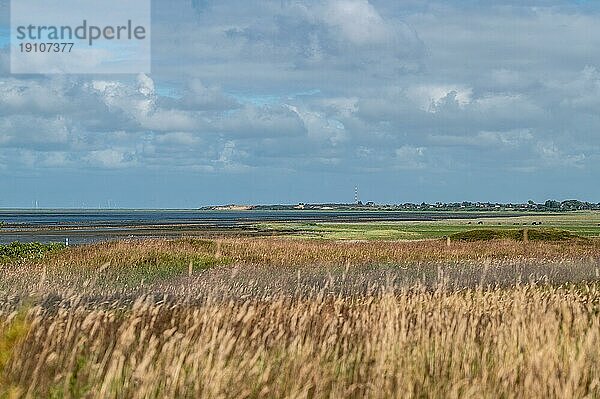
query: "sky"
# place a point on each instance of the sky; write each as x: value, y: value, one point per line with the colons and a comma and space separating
x: 289, y: 101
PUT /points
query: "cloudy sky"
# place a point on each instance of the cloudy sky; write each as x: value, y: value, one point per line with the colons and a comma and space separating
x: 300, y: 101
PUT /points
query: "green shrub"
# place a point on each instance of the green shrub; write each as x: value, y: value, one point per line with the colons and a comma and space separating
x: 157, y: 265
x: 18, y: 251
x: 551, y: 235
x: 11, y: 335
x: 499, y: 234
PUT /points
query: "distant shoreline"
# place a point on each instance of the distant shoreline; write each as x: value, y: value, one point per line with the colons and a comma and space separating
x: 465, y: 206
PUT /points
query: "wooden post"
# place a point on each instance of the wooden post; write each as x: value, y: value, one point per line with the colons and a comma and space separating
x: 526, y: 235
x: 448, y: 241
x: 190, y: 268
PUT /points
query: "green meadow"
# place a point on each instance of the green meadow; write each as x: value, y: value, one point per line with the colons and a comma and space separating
x: 583, y: 224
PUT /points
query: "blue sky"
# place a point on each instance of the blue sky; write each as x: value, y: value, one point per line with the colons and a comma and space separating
x: 300, y: 101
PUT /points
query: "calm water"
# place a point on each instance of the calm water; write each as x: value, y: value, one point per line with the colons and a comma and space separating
x: 61, y: 217
x: 88, y: 226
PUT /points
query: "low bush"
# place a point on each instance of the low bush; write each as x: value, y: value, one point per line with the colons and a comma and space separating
x: 27, y: 251
x: 157, y: 265
x: 518, y: 235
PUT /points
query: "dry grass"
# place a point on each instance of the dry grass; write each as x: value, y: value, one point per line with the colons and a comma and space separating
x: 298, y: 319
x: 301, y: 252
x: 524, y: 342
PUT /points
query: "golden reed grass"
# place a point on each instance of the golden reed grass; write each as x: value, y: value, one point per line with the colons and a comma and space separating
x: 182, y: 338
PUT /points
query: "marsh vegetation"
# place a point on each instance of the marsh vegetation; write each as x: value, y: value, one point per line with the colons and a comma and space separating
x: 262, y: 318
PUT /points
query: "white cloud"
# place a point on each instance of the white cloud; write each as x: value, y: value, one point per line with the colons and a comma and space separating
x: 319, y: 127
x: 511, y: 138
x: 357, y: 20
x: 409, y: 157
x: 552, y: 156
x: 344, y: 86
x: 110, y: 158
x: 430, y: 97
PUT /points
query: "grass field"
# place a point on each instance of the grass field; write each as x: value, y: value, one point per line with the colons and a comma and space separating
x: 585, y: 224
x: 263, y: 318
